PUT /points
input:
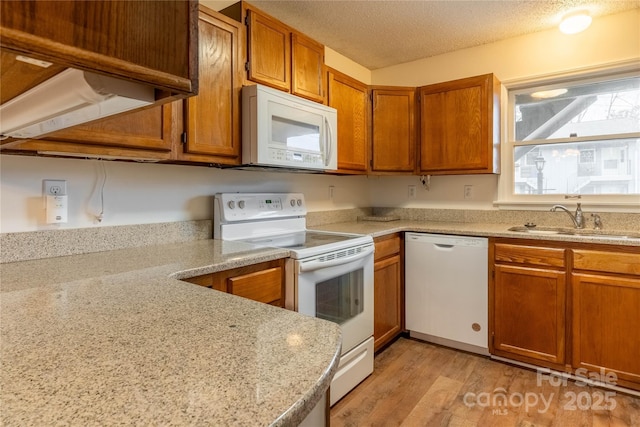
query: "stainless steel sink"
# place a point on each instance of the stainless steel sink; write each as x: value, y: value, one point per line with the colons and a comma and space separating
x: 605, y: 234
x: 597, y: 234
x: 541, y: 230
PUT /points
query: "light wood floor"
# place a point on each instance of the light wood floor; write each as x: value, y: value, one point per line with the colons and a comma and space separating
x: 419, y: 384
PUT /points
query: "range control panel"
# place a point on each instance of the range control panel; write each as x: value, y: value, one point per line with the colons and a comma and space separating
x: 231, y: 207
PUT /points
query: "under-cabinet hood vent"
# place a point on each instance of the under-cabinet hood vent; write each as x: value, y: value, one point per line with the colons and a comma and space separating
x: 67, y: 99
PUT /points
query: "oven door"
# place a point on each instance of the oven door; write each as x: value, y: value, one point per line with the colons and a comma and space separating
x: 338, y: 286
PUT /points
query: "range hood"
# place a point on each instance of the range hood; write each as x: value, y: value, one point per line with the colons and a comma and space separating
x: 67, y: 99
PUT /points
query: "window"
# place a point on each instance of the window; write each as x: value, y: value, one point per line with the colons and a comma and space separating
x: 574, y: 137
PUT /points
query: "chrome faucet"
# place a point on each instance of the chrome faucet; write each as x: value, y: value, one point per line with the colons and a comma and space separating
x: 577, y: 218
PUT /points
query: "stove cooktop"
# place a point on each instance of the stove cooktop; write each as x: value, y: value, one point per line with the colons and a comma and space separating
x: 309, y: 243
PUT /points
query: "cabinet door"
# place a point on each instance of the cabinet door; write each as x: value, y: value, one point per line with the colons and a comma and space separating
x: 458, y: 123
x: 387, y: 300
x: 350, y: 98
x: 606, y: 324
x: 263, y: 282
x: 147, y: 134
x: 263, y: 286
x: 394, y: 130
x: 213, y: 117
x: 307, y: 63
x: 148, y: 41
x: 529, y: 313
x: 269, y: 51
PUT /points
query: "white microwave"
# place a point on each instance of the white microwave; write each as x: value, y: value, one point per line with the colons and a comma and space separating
x: 286, y: 131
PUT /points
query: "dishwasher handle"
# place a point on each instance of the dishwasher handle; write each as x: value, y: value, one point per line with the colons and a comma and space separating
x: 442, y: 246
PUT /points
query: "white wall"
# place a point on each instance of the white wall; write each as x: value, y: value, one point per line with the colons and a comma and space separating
x: 609, y: 39
x: 444, y: 192
x: 137, y: 193
x: 345, y: 65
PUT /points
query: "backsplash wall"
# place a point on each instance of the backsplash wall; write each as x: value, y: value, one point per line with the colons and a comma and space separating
x: 137, y: 193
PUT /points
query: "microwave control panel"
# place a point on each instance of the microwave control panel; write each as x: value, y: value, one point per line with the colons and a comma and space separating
x: 288, y: 155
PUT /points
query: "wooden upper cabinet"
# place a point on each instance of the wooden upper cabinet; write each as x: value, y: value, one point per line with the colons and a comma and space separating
x: 152, y: 42
x: 213, y: 116
x: 350, y: 98
x: 393, y: 146
x: 307, y: 64
x: 279, y: 56
x: 145, y: 134
x: 460, y: 126
x: 268, y: 51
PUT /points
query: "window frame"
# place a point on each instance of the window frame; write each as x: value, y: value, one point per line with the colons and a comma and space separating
x: 506, y: 197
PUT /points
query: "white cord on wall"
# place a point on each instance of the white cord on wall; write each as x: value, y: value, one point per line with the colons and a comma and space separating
x: 100, y: 216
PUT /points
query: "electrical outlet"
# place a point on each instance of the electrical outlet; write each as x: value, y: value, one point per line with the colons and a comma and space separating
x: 468, y: 192
x: 331, y: 191
x: 412, y: 192
x: 52, y: 187
x: 54, y: 193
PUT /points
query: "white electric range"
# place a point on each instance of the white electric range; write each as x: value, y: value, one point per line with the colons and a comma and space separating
x: 329, y: 275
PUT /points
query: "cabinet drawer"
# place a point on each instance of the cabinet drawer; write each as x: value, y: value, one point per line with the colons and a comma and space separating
x: 604, y: 261
x: 532, y: 255
x: 263, y: 286
x: 206, y: 280
x: 387, y: 246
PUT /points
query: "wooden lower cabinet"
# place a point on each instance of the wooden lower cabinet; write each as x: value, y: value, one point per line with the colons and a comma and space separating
x: 605, y: 289
x: 529, y: 313
x: 567, y: 306
x: 388, y: 312
x: 263, y: 282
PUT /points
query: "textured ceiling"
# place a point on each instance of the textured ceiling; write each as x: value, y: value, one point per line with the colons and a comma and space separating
x: 379, y: 34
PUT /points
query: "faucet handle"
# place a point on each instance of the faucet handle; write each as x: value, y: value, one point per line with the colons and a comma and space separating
x: 597, y: 221
x: 579, y: 217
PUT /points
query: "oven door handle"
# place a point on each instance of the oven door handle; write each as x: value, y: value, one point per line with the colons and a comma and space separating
x: 316, y: 265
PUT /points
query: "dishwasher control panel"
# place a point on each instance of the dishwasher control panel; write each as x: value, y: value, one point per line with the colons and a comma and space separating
x: 446, y: 239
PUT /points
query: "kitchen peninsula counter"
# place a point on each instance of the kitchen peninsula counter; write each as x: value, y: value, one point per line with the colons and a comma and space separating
x: 116, y: 338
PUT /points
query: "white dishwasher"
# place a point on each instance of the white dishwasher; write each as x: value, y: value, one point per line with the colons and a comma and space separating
x: 446, y: 290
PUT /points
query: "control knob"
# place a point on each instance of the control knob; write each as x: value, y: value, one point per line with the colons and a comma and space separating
x: 299, y: 202
x: 241, y: 204
x: 231, y: 204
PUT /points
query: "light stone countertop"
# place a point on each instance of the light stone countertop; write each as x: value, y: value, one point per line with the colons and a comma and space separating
x: 377, y: 229
x: 113, y: 338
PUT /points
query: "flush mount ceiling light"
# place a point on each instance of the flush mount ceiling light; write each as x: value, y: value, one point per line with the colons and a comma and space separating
x: 548, y: 93
x: 575, y: 22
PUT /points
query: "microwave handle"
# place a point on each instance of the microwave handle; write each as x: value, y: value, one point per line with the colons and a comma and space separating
x: 328, y: 144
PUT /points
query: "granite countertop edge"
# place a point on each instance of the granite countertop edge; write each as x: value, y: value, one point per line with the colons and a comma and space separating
x: 67, y: 331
